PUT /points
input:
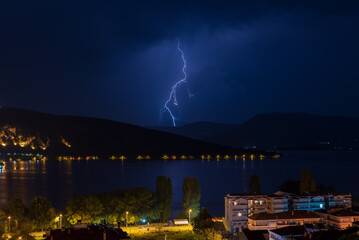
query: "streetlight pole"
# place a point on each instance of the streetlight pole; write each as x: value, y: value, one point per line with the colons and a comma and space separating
x: 126, y: 219
x: 189, y: 216
x: 9, y: 223
x: 60, y: 221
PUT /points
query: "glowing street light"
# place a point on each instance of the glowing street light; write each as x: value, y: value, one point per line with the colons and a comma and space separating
x: 9, y: 217
x: 60, y: 221
x: 189, y: 216
x: 126, y: 219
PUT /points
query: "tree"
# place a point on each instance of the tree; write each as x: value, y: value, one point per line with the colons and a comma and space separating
x: 191, y: 196
x: 254, y: 186
x: 74, y: 212
x: 3, y: 217
x: 164, y: 196
x: 16, y: 210
x: 290, y: 186
x: 87, y: 209
x: 92, y: 209
x: 307, y: 183
x: 203, y: 221
x: 140, y: 203
x: 41, y: 212
x: 144, y: 204
x: 112, y: 207
x: 205, y: 228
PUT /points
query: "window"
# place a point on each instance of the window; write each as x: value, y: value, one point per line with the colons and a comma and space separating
x: 260, y: 202
x: 239, y: 214
x: 255, y: 201
x: 321, y: 205
x: 234, y: 203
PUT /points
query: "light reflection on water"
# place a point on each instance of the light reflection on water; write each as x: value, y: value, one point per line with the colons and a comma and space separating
x: 59, y: 180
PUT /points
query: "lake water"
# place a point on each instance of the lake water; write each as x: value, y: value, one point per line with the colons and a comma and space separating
x: 59, y: 180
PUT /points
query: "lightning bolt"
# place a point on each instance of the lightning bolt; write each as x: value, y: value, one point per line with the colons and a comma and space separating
x: 173, y: 94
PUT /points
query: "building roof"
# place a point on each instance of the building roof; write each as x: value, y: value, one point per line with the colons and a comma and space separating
x: 339, y: 212
x: 321, y: 211
x: 315, y: 226
x: 255, y: 235
x: 328, y: 193
x: 287, y: 231
x: 345, y: 213
x: 295, y: 214
x: 245, y: 194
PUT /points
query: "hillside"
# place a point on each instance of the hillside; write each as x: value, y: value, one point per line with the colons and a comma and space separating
x: 24, y: 130
x: 279, y: 131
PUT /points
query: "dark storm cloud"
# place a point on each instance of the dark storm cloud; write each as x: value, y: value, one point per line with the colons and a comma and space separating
x: 118, y: 59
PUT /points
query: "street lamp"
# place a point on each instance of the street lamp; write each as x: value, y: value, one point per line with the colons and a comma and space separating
x: 126, y: 219
x: 9, y: 217
x: 60, y: 221
x: 189, y: 216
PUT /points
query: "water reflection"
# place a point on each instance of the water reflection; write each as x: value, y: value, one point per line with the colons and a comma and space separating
x: 59, y: 180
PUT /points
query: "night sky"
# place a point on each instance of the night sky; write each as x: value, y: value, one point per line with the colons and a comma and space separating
x: 119, y: 59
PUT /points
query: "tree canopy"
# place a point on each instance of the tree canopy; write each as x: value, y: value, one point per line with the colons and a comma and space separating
x: 254, y: 186
x: 164, y: 196
x: 16, y: 210
x: 112, y: 207
x: 191, y: 196
x: 41, y: 212
x: 203, y: 221
x: 290, y: 186
x: 307, y: 183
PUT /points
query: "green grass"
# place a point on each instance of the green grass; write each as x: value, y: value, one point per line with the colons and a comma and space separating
x: 171, y: 235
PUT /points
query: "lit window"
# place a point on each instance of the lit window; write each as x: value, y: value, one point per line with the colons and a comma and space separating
x: 234, y: 203
x: 255, y: 201
x: 260, y: 202
x: 321, y: 205
x: 239, y: 214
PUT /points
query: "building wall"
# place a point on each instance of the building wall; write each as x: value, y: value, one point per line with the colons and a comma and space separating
x: 339, y: 222
x: 278, y: 204
x: 279, y: 223
x: 239, y: 207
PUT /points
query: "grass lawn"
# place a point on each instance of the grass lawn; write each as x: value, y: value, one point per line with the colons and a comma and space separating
x: 160, y: 235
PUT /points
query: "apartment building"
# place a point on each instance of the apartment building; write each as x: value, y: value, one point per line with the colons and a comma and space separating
x: 267, y: 221
x: 238, y: 207
x: 337, y: 199
x: 311, y: 201
x: 278, y: 203
x: 339, y: 218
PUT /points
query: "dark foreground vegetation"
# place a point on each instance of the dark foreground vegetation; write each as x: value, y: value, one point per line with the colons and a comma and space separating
x: 118, y: 208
